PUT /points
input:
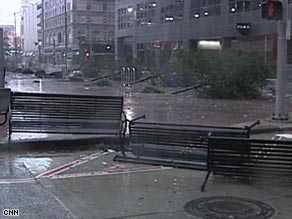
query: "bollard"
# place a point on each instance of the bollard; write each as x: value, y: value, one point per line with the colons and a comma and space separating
x: 134, y: 74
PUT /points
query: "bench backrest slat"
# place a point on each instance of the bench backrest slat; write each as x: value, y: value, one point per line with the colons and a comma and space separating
x: 59, y: 106
x: 65, y: 113
x: 249, y: 157
x: 184, y: 135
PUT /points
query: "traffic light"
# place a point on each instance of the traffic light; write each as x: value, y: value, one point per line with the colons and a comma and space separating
x: 87, y: 53
x: 157, y: 45
x: 272, y: 10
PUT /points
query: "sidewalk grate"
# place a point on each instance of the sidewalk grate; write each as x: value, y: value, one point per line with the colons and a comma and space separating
x: 228, y: 207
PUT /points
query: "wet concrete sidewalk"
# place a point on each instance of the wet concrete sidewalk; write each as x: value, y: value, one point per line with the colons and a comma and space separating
x: 89, y: 185
x: 124, y: 191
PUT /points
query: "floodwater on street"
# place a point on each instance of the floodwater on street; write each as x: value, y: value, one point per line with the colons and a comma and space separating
x: 30, y: 83
x: 185, y: 108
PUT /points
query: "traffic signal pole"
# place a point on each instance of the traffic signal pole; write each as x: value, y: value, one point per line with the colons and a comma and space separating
x: 280, y: 113
x: 2, y: 71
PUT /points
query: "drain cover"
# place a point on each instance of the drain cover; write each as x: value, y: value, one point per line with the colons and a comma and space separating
x: 227, y: 207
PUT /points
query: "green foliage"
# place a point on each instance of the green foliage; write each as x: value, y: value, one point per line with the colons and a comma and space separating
x: 234, y: 75
x: 228, y: 74
x: 97, y: 65
x: 104, y: 83
x: 238, y: 75
x: 151, y: 90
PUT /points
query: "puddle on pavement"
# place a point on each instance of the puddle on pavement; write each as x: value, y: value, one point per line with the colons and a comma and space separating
x: 23, y: 136
x: 35, y: 165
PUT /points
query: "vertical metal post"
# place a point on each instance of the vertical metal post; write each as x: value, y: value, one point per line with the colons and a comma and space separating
x: 91, y: 60
x: 281, y: 82
x: 54, y: 52
x: 134, y: 23
x: 266, y: 48
x: 2, y: 72
x: 66, y: 36
x: 134, y: 74
x: 43, y: 29
x: 15, y: 41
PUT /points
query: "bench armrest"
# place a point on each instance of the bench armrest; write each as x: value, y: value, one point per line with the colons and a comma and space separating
x: 252, y: 125
x: 5, y: 118
x: 140, y: 117
x: 5, y: 97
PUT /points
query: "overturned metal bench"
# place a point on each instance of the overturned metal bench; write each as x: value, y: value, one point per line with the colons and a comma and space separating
x: 66, y: 114
x: 248, y: 158
x: 174, y: 144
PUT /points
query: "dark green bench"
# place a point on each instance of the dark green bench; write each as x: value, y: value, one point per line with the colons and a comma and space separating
x: 175, y: 144
x: 248, y: 158
x: 66, y: 114
x: 5, y: 95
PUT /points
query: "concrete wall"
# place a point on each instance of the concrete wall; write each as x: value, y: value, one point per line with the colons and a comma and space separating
x: 30, y: 33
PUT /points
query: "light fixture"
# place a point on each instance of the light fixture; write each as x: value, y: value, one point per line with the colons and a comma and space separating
x: 196, y: 15
x: 169, y: 18
x: 206, y: 13
x: 233, y: 10
x: 209, y: 45
x: 130, y: 9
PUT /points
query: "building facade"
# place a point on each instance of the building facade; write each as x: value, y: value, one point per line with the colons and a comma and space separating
x: 72, y: 26
x: 8, y: 37
x: 30, y: 31
x: 146, y: 25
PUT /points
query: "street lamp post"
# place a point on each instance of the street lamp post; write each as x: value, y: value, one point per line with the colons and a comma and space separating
x: 281, y: 82
x: 133, y: 13
x: 40, y: 51
x: 2, y: 70
x: 66, y: 36
x: 15, y: 41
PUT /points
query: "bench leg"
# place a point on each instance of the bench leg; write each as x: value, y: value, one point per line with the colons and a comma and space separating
x: 205, y: 181
x: 9, y: 130
x: 122, y: 136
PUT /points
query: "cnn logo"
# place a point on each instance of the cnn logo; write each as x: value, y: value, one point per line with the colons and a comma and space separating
x: 11, y: 212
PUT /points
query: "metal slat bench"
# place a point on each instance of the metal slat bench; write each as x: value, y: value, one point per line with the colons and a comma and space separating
x: 5, y: 95
x: 66, y: 114
x: 174, y: 144
x: 248, y: 158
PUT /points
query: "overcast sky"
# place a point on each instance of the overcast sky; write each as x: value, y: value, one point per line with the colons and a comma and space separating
x: 7, y: 8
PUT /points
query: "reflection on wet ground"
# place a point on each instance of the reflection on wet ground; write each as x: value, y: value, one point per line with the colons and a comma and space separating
x: 35, y: 165
x: 184, y: 108
x: 29, y: 83
x: 27, y: 165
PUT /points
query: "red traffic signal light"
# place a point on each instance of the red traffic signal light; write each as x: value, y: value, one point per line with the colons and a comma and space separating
x: 87, y: 53
x: 157, y: 45
x: 272, y: 10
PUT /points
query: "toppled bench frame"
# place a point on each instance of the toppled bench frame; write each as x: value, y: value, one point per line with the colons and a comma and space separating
x: 174, y: 144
